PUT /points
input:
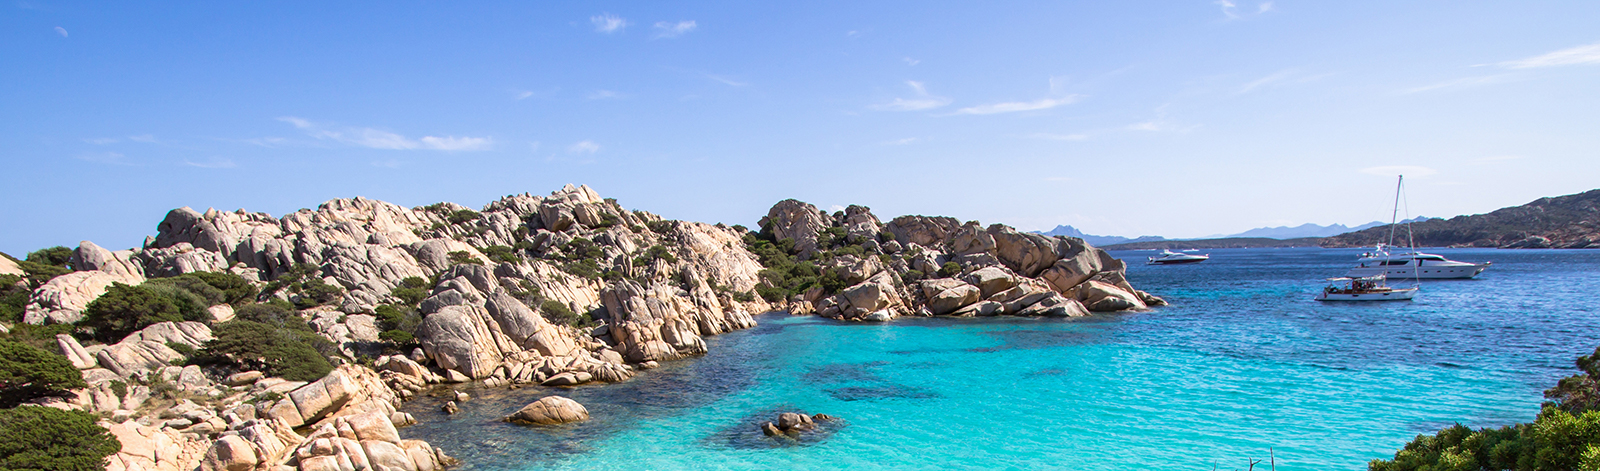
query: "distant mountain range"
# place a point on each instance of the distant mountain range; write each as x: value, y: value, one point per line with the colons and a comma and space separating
x: 1302, y: 231
x: 1097, y: 240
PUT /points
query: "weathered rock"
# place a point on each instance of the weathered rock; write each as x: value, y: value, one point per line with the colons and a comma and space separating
x: 8, y: 267
x: 551, y: 410
x: 63, y: 298
x: 1104, y: 297
x: 243, y: 378
x: 792, y: 219
x: 991, y: 280
x: 230, y: 453
x: 74, y: 351
x: 946, y: 295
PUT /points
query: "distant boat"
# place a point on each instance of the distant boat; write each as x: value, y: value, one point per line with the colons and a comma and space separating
x: 1413, y: 264
x: 1169, y: 257
x: 1371, y: 288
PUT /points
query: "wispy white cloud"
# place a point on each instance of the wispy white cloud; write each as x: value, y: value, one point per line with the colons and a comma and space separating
x: 667, y: 29
x: 583, y: 147
x: 1465, y: 82
x: 604, y: 95
x: 900, y: 142
x: 1407, y: 170
x: 145, y: 138
x: 1275, y: 77
x: 1264, y: 7
x: 1060, y: 137
x: 608, y: 23
x: 1589, y: 54
x: 1231, y: 10
x: 380, y: 139
x: 1016, y: 106
x: 100, y: 141
x: 923, y: 100
x: 110, y: 158
x: 61, y: 31
x: 726, y: 80
x: 523, y: 95
x: 910, y: 61
x: 215, y: 162
x: 1227, y: 8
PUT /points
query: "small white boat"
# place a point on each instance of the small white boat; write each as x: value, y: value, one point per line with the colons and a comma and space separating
x: 1371, y: 288
x: 1413, y: 264
x: 1169, y: 257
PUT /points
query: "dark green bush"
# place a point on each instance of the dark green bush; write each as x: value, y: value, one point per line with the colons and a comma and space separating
x: 46, y: 438
x: 28, y: 372
x: 182, y: 349
x: 396, y: 318
x: 949, y: 269
x: 287, y: 352
x: 235, y: 289
x: 1564, y: 436
x: 558, y: 313
x: 125, y: 309
x: 314, y: 292
x: 463, y: 215
x: 587, y: 268
x: 415, y: 282
x: 501, y: 253
x: 274, y: 314
x: 399, y: 337
x: 13, y: 298
x: 656, y: 252
x: 461, y: 257
x: 410, y: 296
x: 57, y: 256
x: 911, y: 276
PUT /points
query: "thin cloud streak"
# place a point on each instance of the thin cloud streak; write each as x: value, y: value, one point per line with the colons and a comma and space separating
x: 110, y: 158
x: 665, y: 29
x: 583, y: 147
x: 61, y: 31
x: 1464, y: 82
x: 924, y: 100
x: 1016, y: 106
x: 380, y: 139
x: 213, y: 163
x: 727, y: 81
x: 1589, y: 54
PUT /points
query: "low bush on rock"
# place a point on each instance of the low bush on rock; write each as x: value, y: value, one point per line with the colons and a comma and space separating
x: 46, y: 438
x: 461, y: 257
x: 1565, y: 435
x: 124, y: 309
x: 288, y: 350
x: 14, y: 294
x: 28, y: 372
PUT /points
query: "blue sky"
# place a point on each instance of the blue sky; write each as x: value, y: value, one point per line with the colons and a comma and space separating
x: 1171, y: 118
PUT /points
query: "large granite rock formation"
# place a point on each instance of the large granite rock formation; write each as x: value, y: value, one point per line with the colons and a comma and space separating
x: 904, y: 267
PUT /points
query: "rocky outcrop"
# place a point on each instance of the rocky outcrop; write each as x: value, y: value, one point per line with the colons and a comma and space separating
x: 9, y: 267
x: 550, y: 410
x: 1002, y: 271
x: 666, y: 322
x: 63, y: 298
x: 797, y: 221
x: 1570, y: 222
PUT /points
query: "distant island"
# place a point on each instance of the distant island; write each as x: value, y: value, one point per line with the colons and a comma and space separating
x: 1567, y: 222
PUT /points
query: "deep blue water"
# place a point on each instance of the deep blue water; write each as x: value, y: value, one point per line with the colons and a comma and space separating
x: 1243, y: 364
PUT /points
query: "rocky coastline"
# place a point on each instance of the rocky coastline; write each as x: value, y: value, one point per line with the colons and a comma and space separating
x: 555, y: 290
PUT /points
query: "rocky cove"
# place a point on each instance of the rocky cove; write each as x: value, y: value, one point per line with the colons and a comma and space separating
x: 556, y: 291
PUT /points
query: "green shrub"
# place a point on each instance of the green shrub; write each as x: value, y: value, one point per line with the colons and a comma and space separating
x: 47, y: 438
x: 182, y: 349
x: 273, y: 314
x: 911, y: 276
x: 587, y: 268
x: 314, y: 292
x: 558, y: 313
x: 399, y: 337
x: 119, y: 388
x: 42, y: 336
x: 191, y: 306
x: 656, y: 252
x: 235, y: 289
x: 501, y: 253
x: 124, y: 309
x: 57, y: 256
x: 463, y: 215
x: 410, y: 296
x: 949, y: 269
x: 28, y: 372
x: 285, y: 352
x: 13, y: 298
x: 461, y: 257
x: 395, y: 318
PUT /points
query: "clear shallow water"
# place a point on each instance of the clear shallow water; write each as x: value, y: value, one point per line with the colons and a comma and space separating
x: 1242, y: 361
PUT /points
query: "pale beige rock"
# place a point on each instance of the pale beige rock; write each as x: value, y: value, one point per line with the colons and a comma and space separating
x: 8, y: 267
x: 74, y: 351
x: 243, y: 378
x: 1105, y: 297
x: 63, y: 298
x: 991, y: 280
x: 551, y: 410
x: 220, y: 313
x: 230, y: 453
x: 792, y: 219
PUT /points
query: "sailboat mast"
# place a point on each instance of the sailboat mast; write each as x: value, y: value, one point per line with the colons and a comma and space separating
x: 1394, y: 218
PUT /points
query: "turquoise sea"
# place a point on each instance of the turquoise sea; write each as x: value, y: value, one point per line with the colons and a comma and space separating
x: 1243, y: 365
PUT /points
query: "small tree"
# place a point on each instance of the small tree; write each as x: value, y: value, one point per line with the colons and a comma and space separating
x: 286, y: 351
x: 28, y: 372
x: 125, y: 309
x: 53, y: 439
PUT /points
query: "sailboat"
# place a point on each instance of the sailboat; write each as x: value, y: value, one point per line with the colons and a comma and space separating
x: 1375, y: 287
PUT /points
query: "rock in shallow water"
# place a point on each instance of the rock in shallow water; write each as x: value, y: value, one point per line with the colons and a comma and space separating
x: 550, y: 410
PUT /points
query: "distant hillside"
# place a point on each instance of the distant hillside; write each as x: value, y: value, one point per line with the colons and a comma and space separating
x: 1303, y: 230
x: 1095, y: 240
x: 1225, y: 243
x: 1571, y: 221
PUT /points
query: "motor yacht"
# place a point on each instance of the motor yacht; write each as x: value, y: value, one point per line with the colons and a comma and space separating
x: 1169, y: 257
x: 1412, y: 264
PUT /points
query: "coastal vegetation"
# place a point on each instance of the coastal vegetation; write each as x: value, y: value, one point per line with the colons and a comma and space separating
x: 1564, y: 436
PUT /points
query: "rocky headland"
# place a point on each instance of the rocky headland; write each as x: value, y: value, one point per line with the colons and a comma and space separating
x: 1560, y: 222
x: 556, y: 290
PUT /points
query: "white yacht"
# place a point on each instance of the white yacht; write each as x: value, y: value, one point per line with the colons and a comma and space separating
x: 1169, y: 257
x: 1371, y: 288
x: 1412, y: 264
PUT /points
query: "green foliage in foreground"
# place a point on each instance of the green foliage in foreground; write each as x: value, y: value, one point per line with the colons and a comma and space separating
x: 46, y: 438
x: 1565, y: 436
x: 28, y: 372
